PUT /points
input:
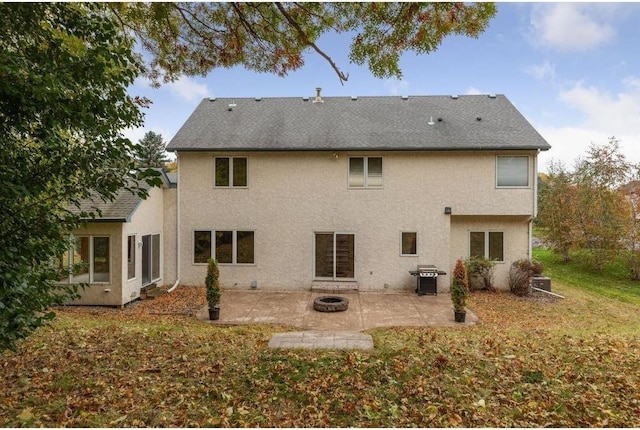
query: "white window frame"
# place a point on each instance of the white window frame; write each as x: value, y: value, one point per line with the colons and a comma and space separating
x: 135, y: 255
x: 234, y: 246
x: 401, y: 234
x: 231, y: 185
x: 160, y: 253
x: 528, y: 185
x: 486, y: 242
x: 366, y: 185
x: 91, y: 262
x: 355, y: 259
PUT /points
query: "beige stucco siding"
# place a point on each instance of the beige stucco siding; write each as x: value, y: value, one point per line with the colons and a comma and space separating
x: 170, y: 236
x: 292, y: 195
x: 106, y: 294
x: 147, y: 219
x: 516, y: 240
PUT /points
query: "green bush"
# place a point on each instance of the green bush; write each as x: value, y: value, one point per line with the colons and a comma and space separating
x: 520, y: 274
x: 481, y: 273
x: 212, y: 282
x: 460, y: 286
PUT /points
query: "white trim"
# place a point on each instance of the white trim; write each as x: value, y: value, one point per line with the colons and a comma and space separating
x: 355, y: 253
x: 409, y: 231
x: 365, y: 185
x: 528, y: 171
x: 135, y: 265
x: 230, y: 158
x: 486, y: 242
x: 234, y: 246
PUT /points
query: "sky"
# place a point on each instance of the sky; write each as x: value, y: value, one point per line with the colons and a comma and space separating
x: 572, y: 69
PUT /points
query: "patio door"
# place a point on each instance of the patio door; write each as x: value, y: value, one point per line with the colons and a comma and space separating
x: 334, y: 256
x: 150, y: 258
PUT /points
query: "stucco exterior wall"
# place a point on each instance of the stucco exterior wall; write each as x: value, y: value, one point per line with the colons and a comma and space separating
x: 106, y: 294
x: 170, y: 236
x: 147, y: 219
x: 291, y: 195
x: 515, y: 234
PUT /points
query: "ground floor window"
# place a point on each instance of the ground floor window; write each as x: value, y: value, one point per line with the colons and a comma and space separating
x: 226, y: 246
x: 334, y: 256
x: 487, y: 244
x: 150, y: 258
x: 131, y: 256
x: 87, y: 261
x: 408, y: 243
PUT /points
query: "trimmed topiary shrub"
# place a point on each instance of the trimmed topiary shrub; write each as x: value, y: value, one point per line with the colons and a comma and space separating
x: 212, y: 281
x: 460, y: 287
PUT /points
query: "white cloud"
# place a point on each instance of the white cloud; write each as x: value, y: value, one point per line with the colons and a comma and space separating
x: 397, y: 87
x: 188, y: 89
x: 606, y: 115
x: 615, y: 114
x: 571, y: 26
x: 546, y: 69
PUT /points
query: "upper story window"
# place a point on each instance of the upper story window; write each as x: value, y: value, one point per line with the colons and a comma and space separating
x: 365, y: 172
x: 230, y: 172
x: 512, y: 171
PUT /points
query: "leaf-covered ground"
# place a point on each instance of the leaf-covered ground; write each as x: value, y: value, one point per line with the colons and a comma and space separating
x: 530, y: 362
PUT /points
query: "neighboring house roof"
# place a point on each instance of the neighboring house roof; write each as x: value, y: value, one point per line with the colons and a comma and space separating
x: 433, y: 123
x: 124, y: 204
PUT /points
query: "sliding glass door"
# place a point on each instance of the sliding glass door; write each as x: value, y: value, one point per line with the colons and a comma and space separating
x: 334, y: 256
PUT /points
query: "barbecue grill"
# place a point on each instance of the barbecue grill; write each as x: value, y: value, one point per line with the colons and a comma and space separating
x: 427, y: 279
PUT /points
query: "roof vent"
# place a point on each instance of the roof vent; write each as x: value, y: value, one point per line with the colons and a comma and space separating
x: 478, y: 118
x: 454, y: 96
x: 492, y: 96
x: 212, y: 99
x: 258, y: 99
x: 405, y: 97
x: 354, y: 98
x: 305, y: 99
x: 431, y: 121
x: 318, y: 98
x: 231, y: 106
x: 439, y: 119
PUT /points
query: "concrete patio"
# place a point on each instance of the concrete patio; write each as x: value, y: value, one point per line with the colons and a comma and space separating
x: 367, y: 310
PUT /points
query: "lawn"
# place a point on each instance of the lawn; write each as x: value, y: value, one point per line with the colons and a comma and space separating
x: 562, y: 363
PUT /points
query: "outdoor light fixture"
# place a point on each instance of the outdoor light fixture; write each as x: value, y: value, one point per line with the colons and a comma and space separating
x: 447, y: 210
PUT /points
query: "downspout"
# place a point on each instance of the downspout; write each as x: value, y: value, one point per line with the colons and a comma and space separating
x: 177, y: 226
x: 535, y: 202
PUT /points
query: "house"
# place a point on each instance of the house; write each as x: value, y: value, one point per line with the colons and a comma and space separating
x: 351, y: 192
x: 128, y: 246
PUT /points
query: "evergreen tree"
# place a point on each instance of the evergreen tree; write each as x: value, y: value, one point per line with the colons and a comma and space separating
x: 150, y: 151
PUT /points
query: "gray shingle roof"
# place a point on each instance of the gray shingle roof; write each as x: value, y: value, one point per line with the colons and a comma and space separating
x: 119, y: 210
x: 122, y: 207
x: 368, y: 123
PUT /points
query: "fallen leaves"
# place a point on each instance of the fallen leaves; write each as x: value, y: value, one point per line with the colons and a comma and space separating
x: 526, y: 365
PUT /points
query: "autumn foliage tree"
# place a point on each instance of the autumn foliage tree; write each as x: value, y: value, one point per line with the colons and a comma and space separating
x: 194, y: 38
x: 557, y: 210
x: 585, y: 209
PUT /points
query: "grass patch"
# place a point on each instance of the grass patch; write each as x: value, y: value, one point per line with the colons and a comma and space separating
x: 567, y: 363
x: 612, y: 282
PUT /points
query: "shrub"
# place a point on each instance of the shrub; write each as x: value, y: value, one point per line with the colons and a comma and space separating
x: 481, y: 273
x: 212, y: 281
x: 460, y: 286
x: 520, y: 274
